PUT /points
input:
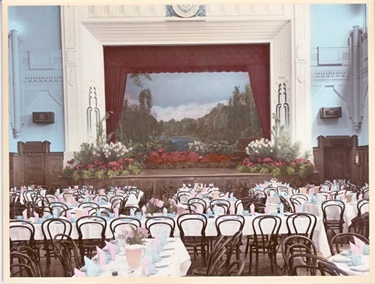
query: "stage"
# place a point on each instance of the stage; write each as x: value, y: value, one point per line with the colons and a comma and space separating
x: 158, y: 179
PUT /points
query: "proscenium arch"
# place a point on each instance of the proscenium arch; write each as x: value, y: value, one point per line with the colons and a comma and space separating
x: 122, y: 60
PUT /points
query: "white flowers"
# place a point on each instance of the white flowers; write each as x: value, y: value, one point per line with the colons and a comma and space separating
x: 260, y: 148
x: 112, y: 151
x: 198, y: 146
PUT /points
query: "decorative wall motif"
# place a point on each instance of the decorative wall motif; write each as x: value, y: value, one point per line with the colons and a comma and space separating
x: 186, y: 11
x: 282, y: 106
x: 92, y: 111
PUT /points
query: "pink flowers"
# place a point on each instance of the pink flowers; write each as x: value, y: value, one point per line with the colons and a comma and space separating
x: 154, y: 205
x: 133, y: 235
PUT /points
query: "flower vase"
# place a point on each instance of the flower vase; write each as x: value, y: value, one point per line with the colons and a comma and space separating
x: 134, y: 255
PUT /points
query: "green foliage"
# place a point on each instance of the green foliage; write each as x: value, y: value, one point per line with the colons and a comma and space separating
x: 285, y: 149
x: 86, y: 154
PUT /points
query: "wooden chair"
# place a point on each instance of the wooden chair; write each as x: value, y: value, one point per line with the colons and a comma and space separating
x: 338, y: 240
x: 66, y: 251
x: 155, y: 224
x: 91, y: 234
x: 192, y: 228
x: 264, y: 241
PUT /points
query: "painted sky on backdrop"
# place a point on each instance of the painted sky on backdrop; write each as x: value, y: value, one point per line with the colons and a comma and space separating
x: 187, y: 95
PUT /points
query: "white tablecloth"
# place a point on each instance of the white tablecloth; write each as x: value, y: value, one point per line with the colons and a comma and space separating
x: 349, y: 213
x: 175, y: 262
x: 359, y: 270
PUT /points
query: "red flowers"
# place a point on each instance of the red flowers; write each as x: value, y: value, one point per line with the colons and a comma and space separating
x: 180, y: 159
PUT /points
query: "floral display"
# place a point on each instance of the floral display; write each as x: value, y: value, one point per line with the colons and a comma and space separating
x: 104, y: 161
x: 183, y: 159
x: 171, y: 205
x: 154, y: 205
x: 132, y: 235
x: 278, y: 157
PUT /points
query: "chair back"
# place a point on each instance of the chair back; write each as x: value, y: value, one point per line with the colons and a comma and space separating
x: 54, y: 226
x: 296, y: 244
x: 229, y: 225
x: 197, y: 205
x: 337, y: 241
x: 307, y: 264
x: 154, y: 225
x: 301, y: 224
x: 67, y: 252
x: 34, y: 256
x: 21, y: 232
x: 191, y: 224
x: 23, y: 266
x: 119, y: 224
x: 333, y: 210
x: 266, y: 229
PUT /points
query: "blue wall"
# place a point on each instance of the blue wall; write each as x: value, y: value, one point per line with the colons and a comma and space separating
x: 331, y: 26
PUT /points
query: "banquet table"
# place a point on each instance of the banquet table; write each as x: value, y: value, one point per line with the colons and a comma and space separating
x: 175, y: 261
x: 319, y: 237
x: 343, y: 262
x: 350, y: 212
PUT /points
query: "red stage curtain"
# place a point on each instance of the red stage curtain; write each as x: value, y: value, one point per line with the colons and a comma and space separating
x: 115, y: 82
x: 260, y: 85
x: 122, y: 60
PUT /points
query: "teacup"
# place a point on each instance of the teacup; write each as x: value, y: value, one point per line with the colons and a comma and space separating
x: 366, y: 249
x: 246, y: 212
x: 19, y: 217
x: 356, y: 259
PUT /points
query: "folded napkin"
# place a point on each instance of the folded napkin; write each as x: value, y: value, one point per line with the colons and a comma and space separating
x: 355, y: 249
x: 314, y: 200
x: 281, y: 209
x: 101, y: 257
x: 252, y: 209
x: 92, y: 269
x: 112, y: 249
x: 36, y: 216
x: 266, y: 209
x: 79, y: 273
x: 24, y: 214
x: 69, y: 215
x: 359, y: 243
x: 115, y: 210
x: 148, y: 267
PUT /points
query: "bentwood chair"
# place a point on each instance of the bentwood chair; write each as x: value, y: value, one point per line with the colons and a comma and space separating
x: 34, y: 257
x: 192, y: 228
x: 333, y: 215
x: 265, y: 239
x: 301, y: 224
x: 21, y: 265
x: 67, y: 252
x: 120, y: 224
x: 295, y: 244
x: 311, y: 265
x: 50, y: 228
x: 338, y: 240
x: 216, y: 259
x: 230, y: 225
x: 197, y: 205
x: 154, y: 225
x: 91, y: 234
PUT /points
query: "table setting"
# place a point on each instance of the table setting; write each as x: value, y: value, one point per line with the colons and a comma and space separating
x: 355, y: 260
x: 131, y: 254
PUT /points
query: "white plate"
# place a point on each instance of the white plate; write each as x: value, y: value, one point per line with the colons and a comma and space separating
x: 360, y: 268
x: 340, y: 258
